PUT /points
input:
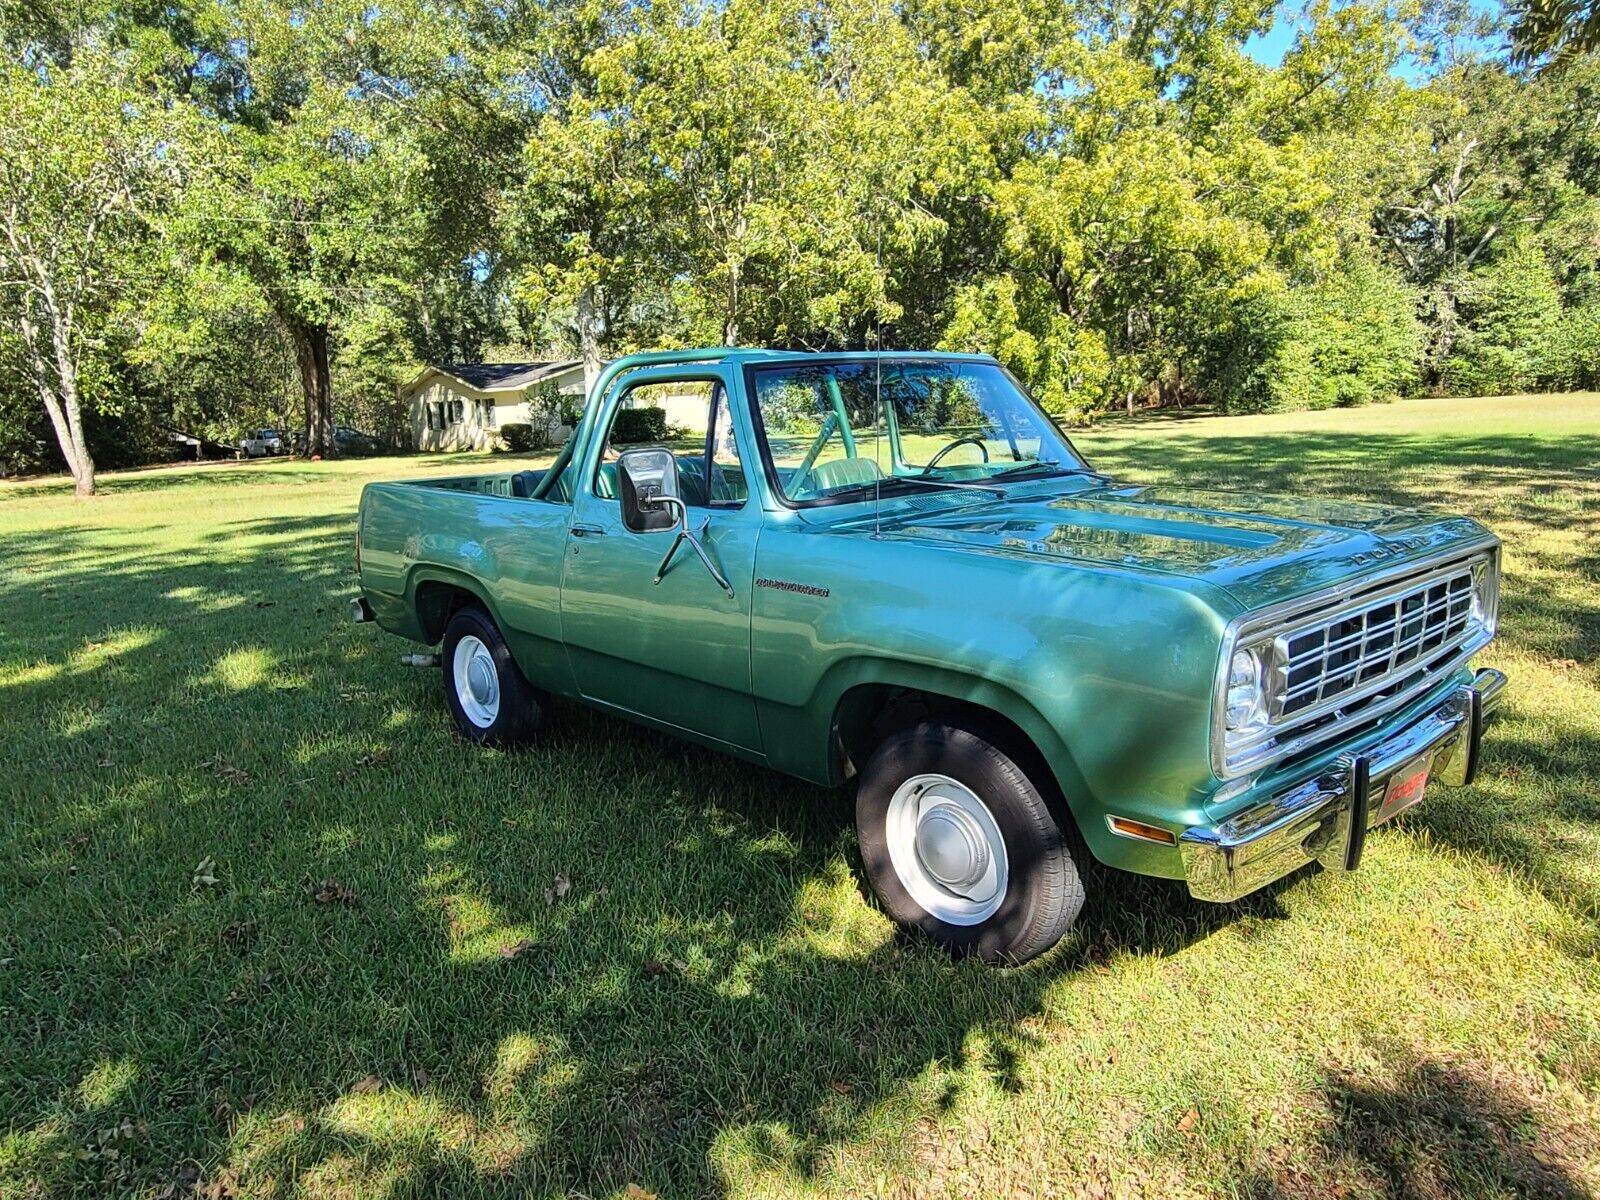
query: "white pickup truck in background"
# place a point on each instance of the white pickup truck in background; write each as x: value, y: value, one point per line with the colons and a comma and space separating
x: 260, y: 443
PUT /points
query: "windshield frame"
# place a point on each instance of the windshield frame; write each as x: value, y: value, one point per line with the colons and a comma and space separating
x: 1077, y: 464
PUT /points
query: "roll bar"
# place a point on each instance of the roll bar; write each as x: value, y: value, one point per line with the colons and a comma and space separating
x: 591, y: 404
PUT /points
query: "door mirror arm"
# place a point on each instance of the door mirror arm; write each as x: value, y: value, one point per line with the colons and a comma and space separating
x: 684, y: 535
x: 647, y: 486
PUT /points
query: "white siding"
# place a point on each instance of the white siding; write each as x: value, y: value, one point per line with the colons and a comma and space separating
x: 446, y: 415
x: 479, y: 424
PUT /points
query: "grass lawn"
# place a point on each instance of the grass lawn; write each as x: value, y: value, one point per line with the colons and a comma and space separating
x: 268, y: 929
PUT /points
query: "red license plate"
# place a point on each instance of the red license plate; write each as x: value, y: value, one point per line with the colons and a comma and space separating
x: 1405, y: 788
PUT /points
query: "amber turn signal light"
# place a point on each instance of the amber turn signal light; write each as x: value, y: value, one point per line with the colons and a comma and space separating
x: 1141, y: 831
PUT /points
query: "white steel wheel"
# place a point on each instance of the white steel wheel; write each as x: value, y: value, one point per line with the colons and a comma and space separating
x: 946, y: 849
x: 477, y: 681
x: 490, y: 700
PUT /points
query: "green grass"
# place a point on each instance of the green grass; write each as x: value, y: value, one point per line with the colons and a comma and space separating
x: 714, y: 1007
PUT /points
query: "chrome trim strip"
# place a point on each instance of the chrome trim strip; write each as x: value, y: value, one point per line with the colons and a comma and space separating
x: 1276, y: 613
x: 1355, y: 594
x: 1312, y: 821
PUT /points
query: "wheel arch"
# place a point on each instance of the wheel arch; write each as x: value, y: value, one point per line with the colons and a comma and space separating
x: 872, y: 702
x: 437, y: 594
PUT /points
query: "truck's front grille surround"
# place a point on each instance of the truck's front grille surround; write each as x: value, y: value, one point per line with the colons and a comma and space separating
x: 1353, y: 654
x: 1337, y: 657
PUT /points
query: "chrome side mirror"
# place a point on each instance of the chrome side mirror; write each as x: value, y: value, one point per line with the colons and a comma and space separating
x: 647, y: 485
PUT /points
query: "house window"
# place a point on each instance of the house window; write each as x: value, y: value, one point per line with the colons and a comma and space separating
x: 458, y: 410
x: 488, y: 414
x: 436, y: 414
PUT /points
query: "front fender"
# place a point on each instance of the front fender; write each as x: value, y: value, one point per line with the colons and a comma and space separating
x: 1109, y: 671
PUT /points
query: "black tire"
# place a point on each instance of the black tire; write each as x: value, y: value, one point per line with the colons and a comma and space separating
x: 520, y: 708
x: 1043, y: 893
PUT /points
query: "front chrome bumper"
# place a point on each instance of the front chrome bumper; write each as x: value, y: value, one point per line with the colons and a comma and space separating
x: 1325, y: 819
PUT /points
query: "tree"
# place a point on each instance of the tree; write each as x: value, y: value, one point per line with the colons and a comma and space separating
x: 1510, y: 311
x: 1351, y: 337
x: 1553, y: 29
x: 1167, y: 177
x: 752, y: 161
x: 211, y: 349
x: 87, y: 162
x: 337, y: 183
x: 1494, y: 164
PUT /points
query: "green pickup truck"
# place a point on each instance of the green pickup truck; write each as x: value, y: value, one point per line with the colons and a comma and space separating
x: 894, y: 568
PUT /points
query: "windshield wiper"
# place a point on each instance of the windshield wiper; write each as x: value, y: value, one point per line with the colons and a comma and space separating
x: 915, y: 480
x: 1021, y: 468
x: 929, y: 481
x: 1046, y: 464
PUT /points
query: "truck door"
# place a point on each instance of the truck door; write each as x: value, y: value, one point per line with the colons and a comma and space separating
x: 676, y: 653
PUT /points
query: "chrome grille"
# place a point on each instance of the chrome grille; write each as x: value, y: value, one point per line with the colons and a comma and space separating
x: 1335, y: 662
x: 1336, y: 659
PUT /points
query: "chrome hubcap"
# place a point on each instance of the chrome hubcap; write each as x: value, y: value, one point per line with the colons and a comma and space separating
x: 951, y: 847
x: 477, y: 681
x: 946, y: 849
x: 480, y: 678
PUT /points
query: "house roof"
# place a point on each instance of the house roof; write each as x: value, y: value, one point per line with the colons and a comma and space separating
x: 504, y: 377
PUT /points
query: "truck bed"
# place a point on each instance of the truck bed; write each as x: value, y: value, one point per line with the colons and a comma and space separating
x: 508, y: 484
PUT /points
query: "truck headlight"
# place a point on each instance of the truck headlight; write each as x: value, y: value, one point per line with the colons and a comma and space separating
x: 1246, y: 699
x: 1486, y: 593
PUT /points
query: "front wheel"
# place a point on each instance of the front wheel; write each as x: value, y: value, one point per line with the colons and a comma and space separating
x: 960, y: 844
x: 486, y: 692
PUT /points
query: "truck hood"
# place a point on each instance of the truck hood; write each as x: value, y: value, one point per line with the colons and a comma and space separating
x: 1259, y: 548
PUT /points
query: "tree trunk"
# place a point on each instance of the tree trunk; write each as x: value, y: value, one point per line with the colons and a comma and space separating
x: 67, y: 421
x: 311, y: 357
x: 1127, y: 332
x: 83, y: 471
x: 589, y: 336
x: 59, y: 392
x: 730, y: 325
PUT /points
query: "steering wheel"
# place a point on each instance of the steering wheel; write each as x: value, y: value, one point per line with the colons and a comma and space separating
x: 968, y: 440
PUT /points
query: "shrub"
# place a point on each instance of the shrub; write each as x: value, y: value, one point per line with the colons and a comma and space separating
x: 1573, y: 356
x: 1351, y: 338
x: 544, y: 412
x: 1509, y: 313
x: 639, y: 425
x: 522, y: 438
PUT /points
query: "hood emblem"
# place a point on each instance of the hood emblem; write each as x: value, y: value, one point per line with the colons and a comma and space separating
x: 1392, y: 548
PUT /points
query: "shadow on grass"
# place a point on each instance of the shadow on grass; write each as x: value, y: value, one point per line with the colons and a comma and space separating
x: 1435, y: 1130
x: 709, y: 996
x: 709, y: 1000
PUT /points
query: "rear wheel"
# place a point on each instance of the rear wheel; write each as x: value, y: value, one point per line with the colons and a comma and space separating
x: 485, y: 690
x: 960, y: 845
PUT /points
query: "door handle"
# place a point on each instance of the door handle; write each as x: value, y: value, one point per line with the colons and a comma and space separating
x: 581, y: 530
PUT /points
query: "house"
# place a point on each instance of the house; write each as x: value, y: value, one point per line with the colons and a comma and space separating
x: 459, y: 406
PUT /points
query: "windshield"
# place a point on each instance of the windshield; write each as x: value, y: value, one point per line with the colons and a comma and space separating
x: 836, y: 430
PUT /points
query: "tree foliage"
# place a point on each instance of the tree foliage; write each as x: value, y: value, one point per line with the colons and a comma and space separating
x: 86, y: 165
x: 1559, y: 29
x: 1118, y: 200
